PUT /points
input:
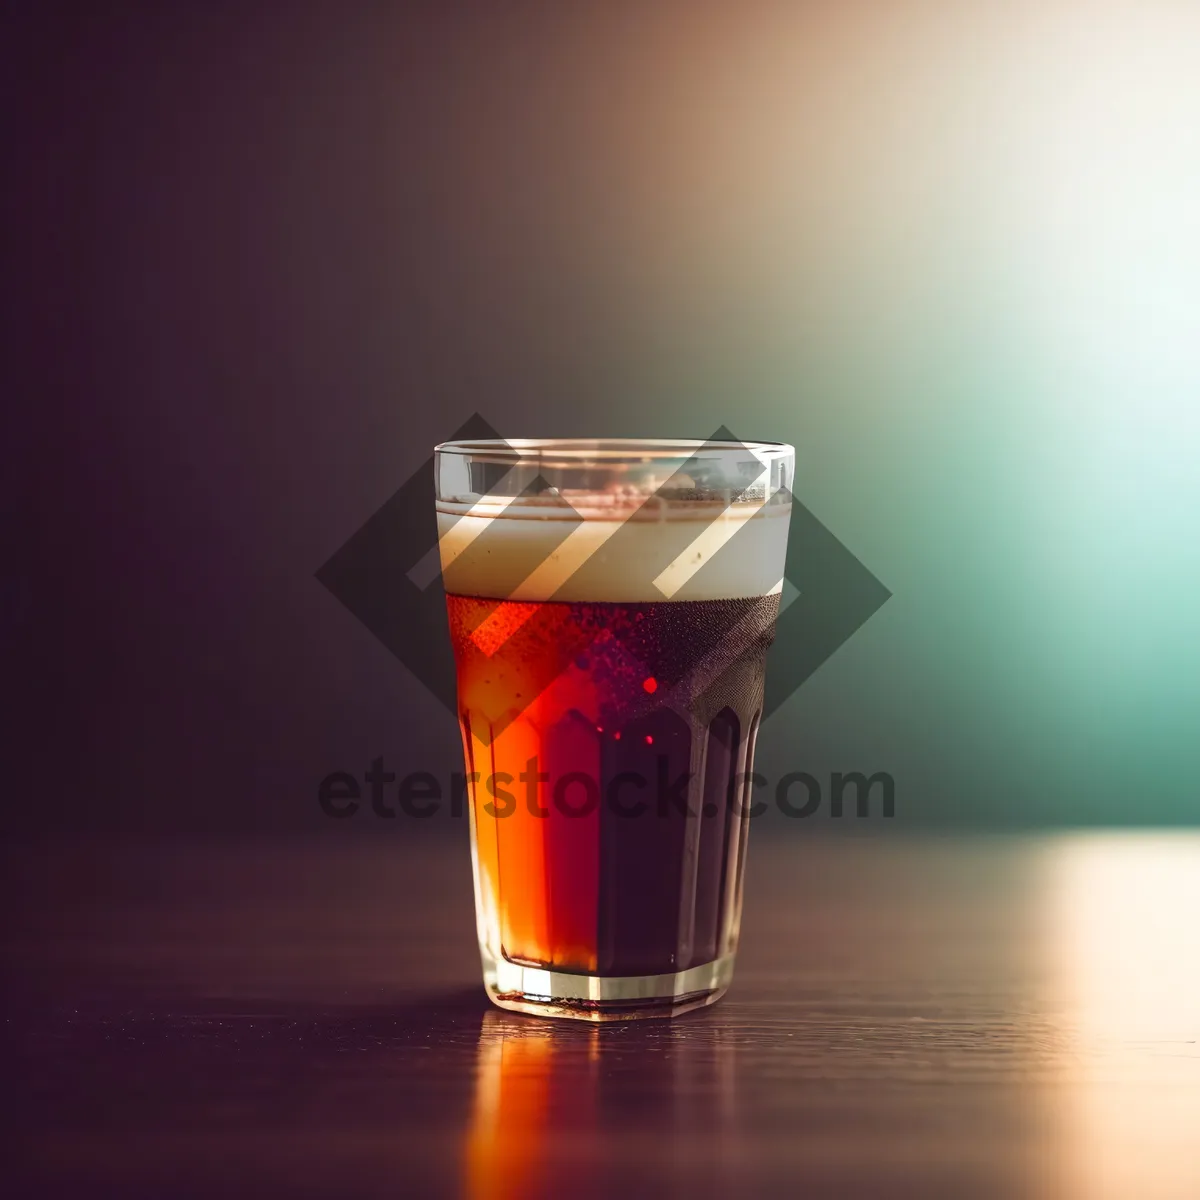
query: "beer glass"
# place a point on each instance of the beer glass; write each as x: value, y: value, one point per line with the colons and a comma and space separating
x: 610, y: 606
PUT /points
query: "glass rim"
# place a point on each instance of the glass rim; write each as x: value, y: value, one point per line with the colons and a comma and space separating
x: 611, y: 451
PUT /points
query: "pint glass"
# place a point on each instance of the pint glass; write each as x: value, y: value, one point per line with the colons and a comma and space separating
x: 610, y: 606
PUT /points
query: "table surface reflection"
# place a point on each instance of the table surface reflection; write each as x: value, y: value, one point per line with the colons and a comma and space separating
x: 911, y: 1017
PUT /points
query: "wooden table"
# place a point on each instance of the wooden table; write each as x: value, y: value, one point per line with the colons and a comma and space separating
x: 915, y: 1017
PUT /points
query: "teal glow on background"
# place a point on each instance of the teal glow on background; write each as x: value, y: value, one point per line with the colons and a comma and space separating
x: 955, y: 259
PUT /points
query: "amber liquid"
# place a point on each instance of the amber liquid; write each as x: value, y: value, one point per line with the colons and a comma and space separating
x: 585, y: 700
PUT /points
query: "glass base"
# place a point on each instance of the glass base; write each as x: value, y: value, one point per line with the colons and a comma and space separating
x: 547, y: 993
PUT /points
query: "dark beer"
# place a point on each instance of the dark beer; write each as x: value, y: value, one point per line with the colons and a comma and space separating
x: 610, y: 607
x: 607, y: 754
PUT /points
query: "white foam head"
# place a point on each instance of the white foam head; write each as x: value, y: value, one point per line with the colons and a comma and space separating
x: 607, y: 549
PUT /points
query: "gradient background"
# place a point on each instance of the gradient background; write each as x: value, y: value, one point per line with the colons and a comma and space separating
x: 262, y: 257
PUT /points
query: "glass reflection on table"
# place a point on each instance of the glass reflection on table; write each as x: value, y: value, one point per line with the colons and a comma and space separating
x: 553, y: 1099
